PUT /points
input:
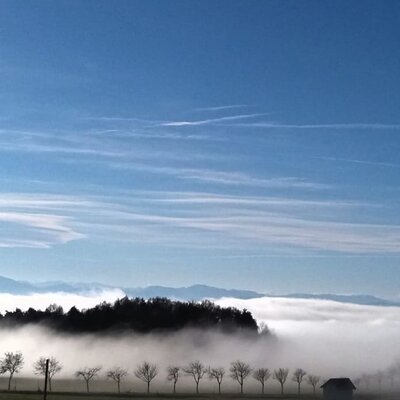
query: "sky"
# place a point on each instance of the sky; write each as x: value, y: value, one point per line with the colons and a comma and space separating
x: 247, y: 144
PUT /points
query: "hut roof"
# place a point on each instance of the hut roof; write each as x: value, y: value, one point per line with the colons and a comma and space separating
x: 339, y: 383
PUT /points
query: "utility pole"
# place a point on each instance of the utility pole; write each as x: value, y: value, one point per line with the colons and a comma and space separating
x: 46, y: 375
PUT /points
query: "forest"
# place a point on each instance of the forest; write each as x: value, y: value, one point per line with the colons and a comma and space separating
x: 137, y: 315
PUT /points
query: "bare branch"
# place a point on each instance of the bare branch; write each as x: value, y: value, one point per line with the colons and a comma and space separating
x: 218, y: 375
x: 197, y: 370
x: 173, y: 375
x: 55, y: 367
x: 313, y: 380
x: 11, y: 363
x: 88, y: 374
x: 239, y: 371
x: 117, y: 374
x: 281, y: 375
x: 262, y: 375
x: 146, y: 372
x: 298, y: 376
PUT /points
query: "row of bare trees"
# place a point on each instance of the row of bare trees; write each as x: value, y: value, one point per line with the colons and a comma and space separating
x: 239, y: 371
x: 12, y: 363
x: 380, y: 380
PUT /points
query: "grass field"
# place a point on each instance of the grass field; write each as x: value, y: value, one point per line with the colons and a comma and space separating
x: 27, y: 395
x: 72, y: 389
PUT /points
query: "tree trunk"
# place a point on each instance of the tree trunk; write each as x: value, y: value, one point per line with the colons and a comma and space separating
x: 87, y: 386
x: 119, y: 387
x: 174, y: 386
x: 9, y: 382
x: 262, y: 387
x: 148, y: 387
x: 298, y: 388
x: 281, y: 388
x: 197, y: 387
x: 241, y: 387
x: 219, y: 387
x: 314, y: 390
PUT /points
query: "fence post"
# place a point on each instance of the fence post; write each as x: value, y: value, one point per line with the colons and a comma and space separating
x: 46, y: 375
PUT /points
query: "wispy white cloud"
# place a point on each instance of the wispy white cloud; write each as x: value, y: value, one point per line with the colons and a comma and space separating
x: 38, y: 221
x: 102, y: 145
x: 221, y: 108
x: 362, y: 162
x: 243, y: 179
x: 286, y: 231
x: 140, y: 121
x: 22, y: 229
x: 211, y: 121
x: 149, y: 134
x: 236, y: 122
x: 274, y: 225
x: 57, y: 142
x: 36, y: 148
x: 195, y: 221
x: 252, y: 201
x: 219, y: 177
x: 335, y: 126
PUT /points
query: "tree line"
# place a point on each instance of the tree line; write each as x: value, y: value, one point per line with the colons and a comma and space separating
x: 239, y: 371
x: 386, y: 378
x: 139, y: 315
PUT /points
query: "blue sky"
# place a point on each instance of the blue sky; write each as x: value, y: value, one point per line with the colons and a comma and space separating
x: 248, y: 144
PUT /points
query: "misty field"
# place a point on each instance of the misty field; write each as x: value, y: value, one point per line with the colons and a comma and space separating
x: 27, y: 395
x: 72, y: 390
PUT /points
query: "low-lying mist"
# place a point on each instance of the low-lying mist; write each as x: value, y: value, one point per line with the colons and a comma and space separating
x: 323, y: 337
x: 330, y: 337
x: 128, y: 350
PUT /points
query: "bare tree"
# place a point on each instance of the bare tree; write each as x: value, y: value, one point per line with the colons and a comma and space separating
x: 313, y: 381
x: 298, y: 376
x: 262, y: 375
x: 391, y: 373
x: 197, y: 370
x: 11, y: 363
x: 117, y: 374
x: 55, y: 367
x: 218, y: 375
x: 239, y: 371
x: 281, y: 375
x: 379, y: 378
x: 88, y: 374
x: 146, y: 372
x: 173, y: 375
x: 366, y: 378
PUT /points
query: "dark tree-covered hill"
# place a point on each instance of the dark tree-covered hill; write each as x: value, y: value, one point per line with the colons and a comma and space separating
x: 138, y: 315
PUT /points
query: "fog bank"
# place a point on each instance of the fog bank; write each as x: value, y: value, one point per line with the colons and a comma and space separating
x: 332, y: 337
x: 323, y: 337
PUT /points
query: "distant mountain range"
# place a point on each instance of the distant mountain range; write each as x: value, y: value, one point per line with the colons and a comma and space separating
x: 194, y: 292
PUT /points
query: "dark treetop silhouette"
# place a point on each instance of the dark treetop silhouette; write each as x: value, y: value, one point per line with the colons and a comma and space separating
x: 139, y: 315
